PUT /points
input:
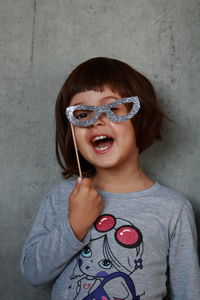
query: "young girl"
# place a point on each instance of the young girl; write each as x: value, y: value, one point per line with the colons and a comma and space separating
x: 114, y: 234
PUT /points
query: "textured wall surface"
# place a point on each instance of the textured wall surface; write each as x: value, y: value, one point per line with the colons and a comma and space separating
x: 41, y: 41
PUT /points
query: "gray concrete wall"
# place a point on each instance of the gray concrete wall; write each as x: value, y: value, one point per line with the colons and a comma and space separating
x: 41, y: 41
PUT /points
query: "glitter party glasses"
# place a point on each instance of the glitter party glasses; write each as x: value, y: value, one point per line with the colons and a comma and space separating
x: 117, y: 111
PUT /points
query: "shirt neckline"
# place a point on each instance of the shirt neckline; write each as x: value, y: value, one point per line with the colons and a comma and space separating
x: 138, y: 194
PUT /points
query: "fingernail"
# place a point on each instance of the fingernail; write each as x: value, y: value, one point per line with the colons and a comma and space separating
x: 79, y: 179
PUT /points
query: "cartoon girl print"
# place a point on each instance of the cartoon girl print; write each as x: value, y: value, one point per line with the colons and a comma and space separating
x: 102, y: 273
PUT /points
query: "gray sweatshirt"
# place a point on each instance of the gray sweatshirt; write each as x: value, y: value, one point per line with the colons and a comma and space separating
x: 139, y: 240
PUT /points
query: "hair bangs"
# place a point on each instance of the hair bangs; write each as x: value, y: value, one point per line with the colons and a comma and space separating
x: 94, y: 75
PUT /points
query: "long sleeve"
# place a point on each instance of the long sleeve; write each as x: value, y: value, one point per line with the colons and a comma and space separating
x: 51, y: 243
x: 183, y: 258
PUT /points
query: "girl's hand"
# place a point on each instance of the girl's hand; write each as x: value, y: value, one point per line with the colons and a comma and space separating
x: 85, y: 205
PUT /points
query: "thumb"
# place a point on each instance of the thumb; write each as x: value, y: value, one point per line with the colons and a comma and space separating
x: 78, y: 182
x: 87, y: 182
x: 76, y: 188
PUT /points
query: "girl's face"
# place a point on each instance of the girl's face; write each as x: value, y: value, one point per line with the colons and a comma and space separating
x: 94, y: 263
x: 105, y: 144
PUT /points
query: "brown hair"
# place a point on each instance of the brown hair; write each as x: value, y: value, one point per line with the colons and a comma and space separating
x: 95, y: 74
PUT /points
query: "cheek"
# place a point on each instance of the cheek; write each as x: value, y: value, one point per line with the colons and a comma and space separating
x: 125, y: 129
x: 129, y: 138
x: 80, y: 262
x: 129, y: 126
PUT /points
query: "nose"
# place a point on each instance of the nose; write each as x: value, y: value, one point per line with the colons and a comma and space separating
x: 100, y: 121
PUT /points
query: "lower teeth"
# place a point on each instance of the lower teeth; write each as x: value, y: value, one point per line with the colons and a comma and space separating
x: 102, y: 148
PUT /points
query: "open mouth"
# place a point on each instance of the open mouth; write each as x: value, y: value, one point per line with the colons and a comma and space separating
x: 102, y: 142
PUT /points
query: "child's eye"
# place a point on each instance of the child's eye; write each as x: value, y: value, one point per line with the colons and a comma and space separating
x: 119, y: 110
x: 114, y: 108
x: 105, y: 264
x: 81, y: 115
x: 86, y: 252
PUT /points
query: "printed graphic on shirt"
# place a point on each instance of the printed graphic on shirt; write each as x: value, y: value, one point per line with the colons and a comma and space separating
x: 109, y: 261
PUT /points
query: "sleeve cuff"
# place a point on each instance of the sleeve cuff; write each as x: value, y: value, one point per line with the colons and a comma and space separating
x: 70, y: 237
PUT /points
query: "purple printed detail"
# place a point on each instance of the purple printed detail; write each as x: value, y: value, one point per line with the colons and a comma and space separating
x: 129, y: 262
x: 138, y: 264
x: 80, y: 262
x: 100, y: 294
x: 102, y: 274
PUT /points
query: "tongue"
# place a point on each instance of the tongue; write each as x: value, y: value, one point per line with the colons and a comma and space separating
x: 103, y: 143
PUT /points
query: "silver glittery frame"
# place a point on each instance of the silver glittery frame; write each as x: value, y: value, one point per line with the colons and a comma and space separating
x: 98, y: 110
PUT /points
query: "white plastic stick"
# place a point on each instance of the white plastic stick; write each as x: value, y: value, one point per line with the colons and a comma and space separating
x: 76, y: 150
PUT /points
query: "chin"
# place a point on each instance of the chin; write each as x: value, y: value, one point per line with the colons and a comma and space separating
x: 107, y: 165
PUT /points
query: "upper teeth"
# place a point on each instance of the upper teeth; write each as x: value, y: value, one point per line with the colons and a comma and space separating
x: 100, y: 137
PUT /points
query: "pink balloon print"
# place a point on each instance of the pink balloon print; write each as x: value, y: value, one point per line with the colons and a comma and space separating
x: 127, y: 235
x: 105, y: 223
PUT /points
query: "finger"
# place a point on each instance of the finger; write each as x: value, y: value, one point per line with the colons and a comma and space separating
x: 76, y: 188
x: 78, y: 182
x: 86, y: 182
